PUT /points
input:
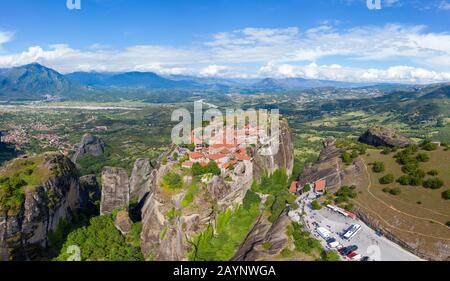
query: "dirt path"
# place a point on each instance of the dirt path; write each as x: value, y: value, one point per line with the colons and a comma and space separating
x: 398, y: 211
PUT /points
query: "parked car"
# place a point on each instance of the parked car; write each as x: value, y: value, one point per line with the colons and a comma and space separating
x: 351, y: 255
x: 350, y: 249
x: 365, y: 258
x: 357, y: 257
x: 331, y: 240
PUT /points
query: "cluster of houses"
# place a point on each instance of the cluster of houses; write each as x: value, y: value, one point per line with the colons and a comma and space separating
x: 227, y: 147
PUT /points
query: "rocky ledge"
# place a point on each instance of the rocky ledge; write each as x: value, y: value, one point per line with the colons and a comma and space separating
x: 382, y: 136
x: 27, y: 219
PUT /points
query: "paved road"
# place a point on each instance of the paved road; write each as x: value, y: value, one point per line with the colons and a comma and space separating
x: 368, y: 242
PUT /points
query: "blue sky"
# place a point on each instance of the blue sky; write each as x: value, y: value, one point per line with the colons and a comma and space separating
x: 407, y: 41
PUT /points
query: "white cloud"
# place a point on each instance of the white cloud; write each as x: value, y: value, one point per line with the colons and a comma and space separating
x: 5, y: 37
x: 404, y: 74
x: 444, y: 5
x: 251, y: 52
x: 215, y: 70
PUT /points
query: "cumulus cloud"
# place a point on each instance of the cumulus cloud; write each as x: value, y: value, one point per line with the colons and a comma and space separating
x: 400, y: 74
x: 286, y: 52
x: 444, y: 5
x: 5, y: 37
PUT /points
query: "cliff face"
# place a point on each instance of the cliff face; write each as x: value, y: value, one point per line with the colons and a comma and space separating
x: 167, y: 237
x: 330, y: 167
x: 381, y: 136
x: 283, y: 159
x: 141, y: 179
x: 89, y: 145
x: 24, y: 231
x: 264, y: 232
x: 115, y: 190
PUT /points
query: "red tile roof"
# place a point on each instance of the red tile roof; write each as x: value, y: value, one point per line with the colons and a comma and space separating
x: 187, y: 164
x: 320, y: 185
x: 196, y: 155
x: 293, y: 188
x: 243, y: 157
x: 216, y: 156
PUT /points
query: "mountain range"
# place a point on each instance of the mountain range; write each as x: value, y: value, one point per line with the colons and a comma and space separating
x: 37, y: 82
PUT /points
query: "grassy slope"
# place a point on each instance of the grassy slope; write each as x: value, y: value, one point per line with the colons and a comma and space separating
x: 422, y: 225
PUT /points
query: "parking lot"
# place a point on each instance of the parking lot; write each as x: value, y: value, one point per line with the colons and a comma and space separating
x: 369, y: 243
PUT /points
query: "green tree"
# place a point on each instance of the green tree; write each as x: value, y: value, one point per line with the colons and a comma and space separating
x: 100, y: 241
x: 172, y: 181
x: 433, y: 173
x: 378, y: 167
x: 307, y: 188
x: 329, y: 256
x: 446, y: 194
x: 423, y: 157
x: 315, y: 205
x: 395, y: 191
x: 433, y: 183
x: 346, y: 158
x: 387, y: 179
x: 429, y: 146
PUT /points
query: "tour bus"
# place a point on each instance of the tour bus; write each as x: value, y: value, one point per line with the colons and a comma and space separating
x: 352, y: 231
x: 323, y: 232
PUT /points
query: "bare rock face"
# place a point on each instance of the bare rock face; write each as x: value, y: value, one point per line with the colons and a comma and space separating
x: 89, y: 145
x: 168, y: 238
x: 141, y: 180
x: 24, y: 231
x: 283, y: 159
x: 264, y: 232
x: 218, y: 188
x: 123, y: 222
x: 381, y: 136
x: 115, y: 190
x: 90, y: 193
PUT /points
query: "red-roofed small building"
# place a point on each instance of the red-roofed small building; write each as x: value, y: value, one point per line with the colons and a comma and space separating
x: 293, y: 188
x: 319, y: 187
x: 216, y: 156
x: 187, y: 164
x: 196, y: 156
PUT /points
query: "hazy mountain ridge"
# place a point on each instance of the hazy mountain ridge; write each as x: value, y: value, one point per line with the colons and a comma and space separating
x: 36, y: 82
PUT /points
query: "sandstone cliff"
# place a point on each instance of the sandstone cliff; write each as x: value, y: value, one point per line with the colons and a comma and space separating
x: 381, y: 136
x: 168, y: 226
x: 89, y: 145
x: 24, y: 228
x: 115, y: 190
x: 264, y: 232
x: 141, y: 179
x: 283, y: 159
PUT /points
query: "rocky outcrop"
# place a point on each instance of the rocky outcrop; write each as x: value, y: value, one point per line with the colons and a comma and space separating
x: 141, y: 179
x: 115, y: 190
x: 123, y: 222
x: 282, y: 159
x: 167, y: 237
x: 264, y: 233
x: 89, y: 145
x: 329, y: 167
x: 382, y: 136
x: 24, y: 231
x: 90, y: 193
